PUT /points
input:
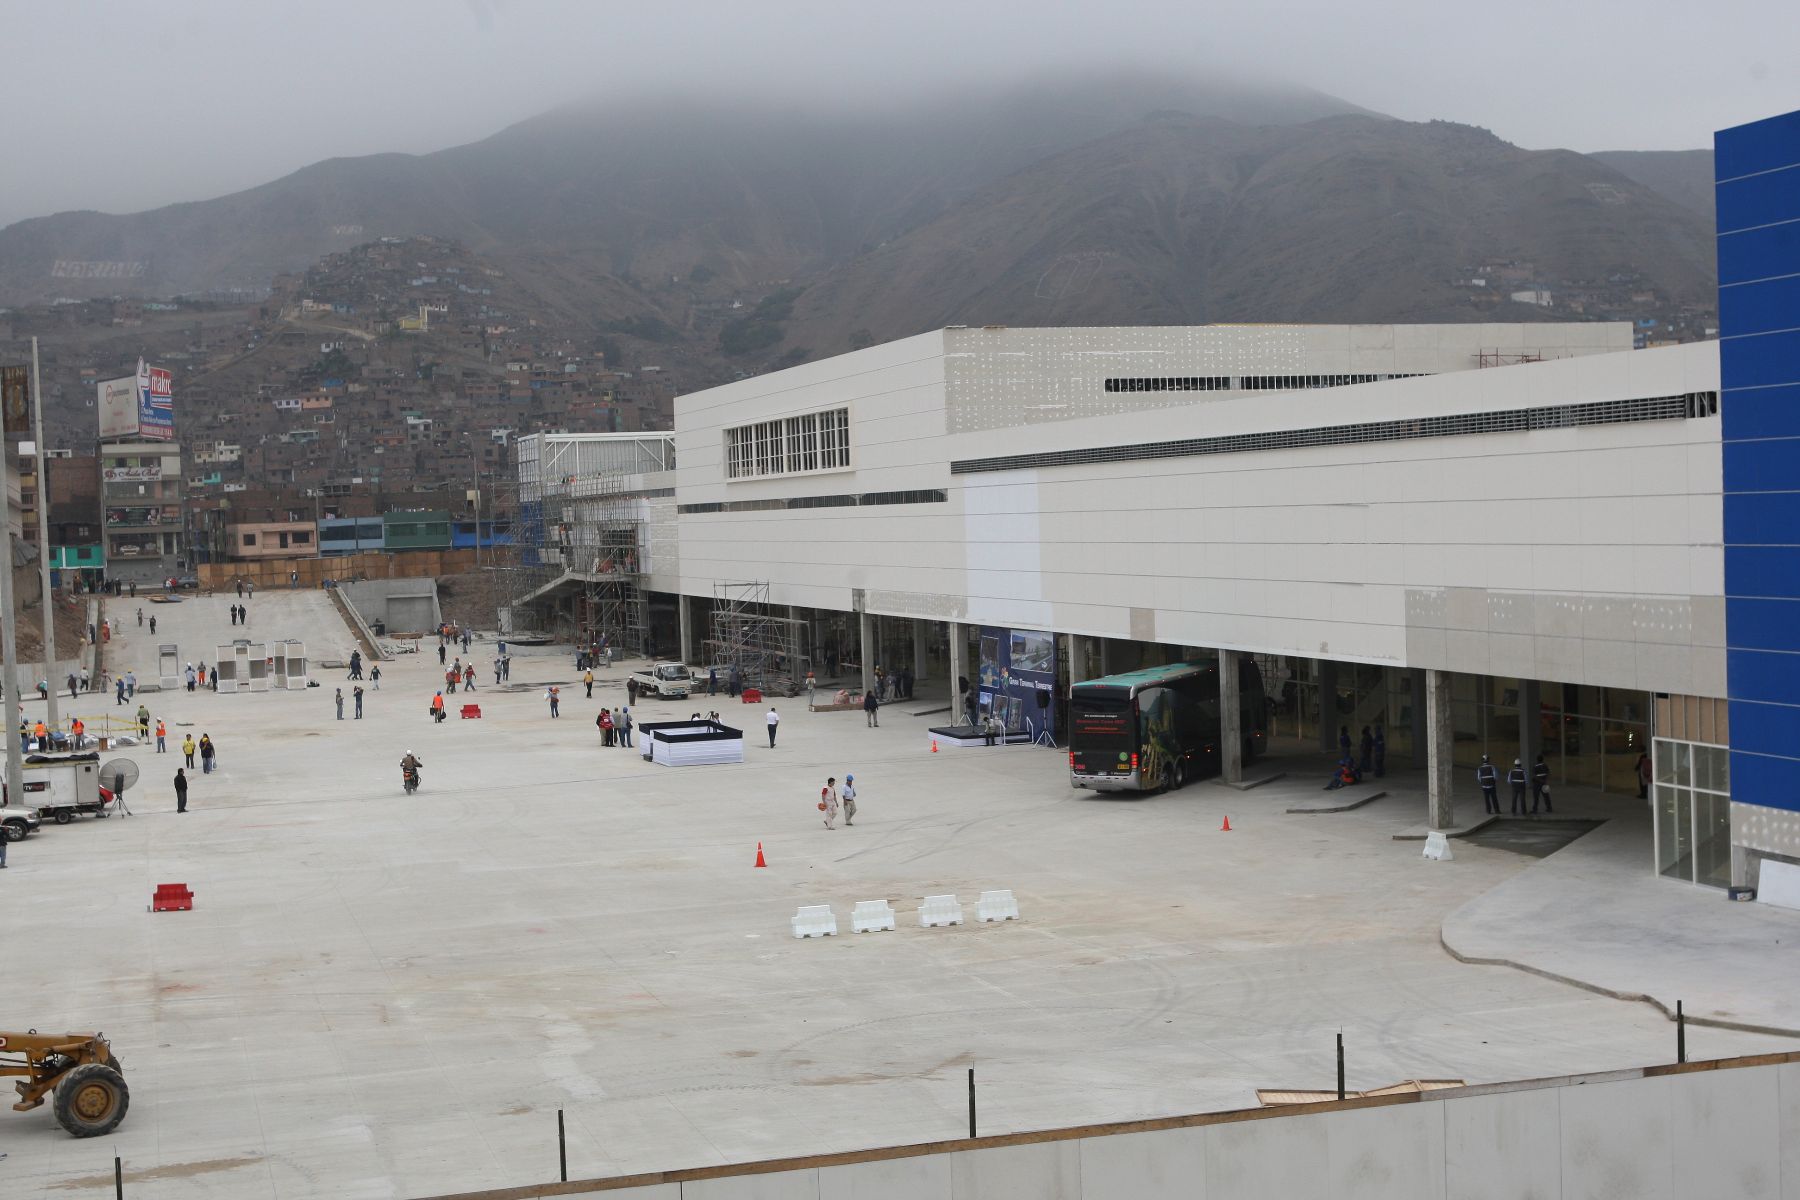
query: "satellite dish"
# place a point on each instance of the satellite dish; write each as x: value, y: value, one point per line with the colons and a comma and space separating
x: 119, y: 775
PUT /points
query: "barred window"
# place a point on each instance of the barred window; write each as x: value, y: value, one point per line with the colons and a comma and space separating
x: 789, y: 446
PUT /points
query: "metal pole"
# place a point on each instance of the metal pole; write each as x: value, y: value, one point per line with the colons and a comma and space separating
x: 43, y: 538
x: 1680, y: 1034
x: 971, y: 1101
x: 9, y: 644
x: 118, y: 1178
x: 1340, y: 1066
x: 562, y: 1147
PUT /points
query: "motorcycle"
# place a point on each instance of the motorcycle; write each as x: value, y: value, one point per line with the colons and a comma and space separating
x: 409, y: 779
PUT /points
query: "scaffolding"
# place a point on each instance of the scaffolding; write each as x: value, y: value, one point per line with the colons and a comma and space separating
x: 767, y: 651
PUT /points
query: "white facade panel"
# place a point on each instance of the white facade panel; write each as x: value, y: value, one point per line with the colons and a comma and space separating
x: 1588, y: 553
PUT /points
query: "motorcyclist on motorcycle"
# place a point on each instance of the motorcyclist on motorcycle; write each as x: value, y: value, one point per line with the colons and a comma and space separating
x: 409, y: 770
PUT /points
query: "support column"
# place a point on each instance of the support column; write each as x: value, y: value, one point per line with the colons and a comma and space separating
x: 1231, y: 720
x: 684, y: 618
x: 1328, y: 713
x: 1531, y: 736
x: 958, y: 642
x: 1440, y: 808
x: 920, y: 666
x: 1106, y: 656
x: 866, y: 651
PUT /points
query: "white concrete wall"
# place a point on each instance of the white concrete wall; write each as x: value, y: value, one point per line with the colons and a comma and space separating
x: 1725, y: 1133
x: 1589, y: 555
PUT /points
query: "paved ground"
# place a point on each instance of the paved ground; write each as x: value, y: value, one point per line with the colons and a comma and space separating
x: 1593, y: 913
x: 381, y: 996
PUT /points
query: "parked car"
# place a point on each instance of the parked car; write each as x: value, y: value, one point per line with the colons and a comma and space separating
x: 19, y: 823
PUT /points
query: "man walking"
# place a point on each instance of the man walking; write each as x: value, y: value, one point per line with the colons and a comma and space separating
x: 872, y: 710
x: 1515, y: 778
x: 1487, y: 777
x: 496, y: 672
x: 443, y: 657
x: 357, y: 692
x: 849, y: 798
x: 587, y: 678
x: 774, y: 720
x: 180, y: 790
x: 119, y: 691
x: 554, y: 695
x: 375, y: 676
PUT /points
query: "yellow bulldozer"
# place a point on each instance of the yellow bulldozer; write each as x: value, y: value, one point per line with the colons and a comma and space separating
x: 88, y: 1082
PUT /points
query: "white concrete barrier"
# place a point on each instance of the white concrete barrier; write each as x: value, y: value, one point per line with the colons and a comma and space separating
x: 940, y: 911
x: 814, y: 920
x: 997, y: 906
x: 1437, y: 846
x: 872, y: 916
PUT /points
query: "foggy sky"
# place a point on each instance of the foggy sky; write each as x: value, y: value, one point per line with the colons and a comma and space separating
x: 122, y: 105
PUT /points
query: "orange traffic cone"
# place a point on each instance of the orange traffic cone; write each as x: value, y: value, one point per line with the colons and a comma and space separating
x: 934, y: 745
x: 759, y: 856
x: 1226, y: 827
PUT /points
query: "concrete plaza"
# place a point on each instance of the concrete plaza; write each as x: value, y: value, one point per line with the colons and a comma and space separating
x: 383, y: 996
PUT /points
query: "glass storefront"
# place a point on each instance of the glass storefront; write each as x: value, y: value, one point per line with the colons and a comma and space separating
x: 1590, y: 737
x: 1693, y: 811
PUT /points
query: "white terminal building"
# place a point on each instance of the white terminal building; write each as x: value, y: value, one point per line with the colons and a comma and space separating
x: 1485, y: 521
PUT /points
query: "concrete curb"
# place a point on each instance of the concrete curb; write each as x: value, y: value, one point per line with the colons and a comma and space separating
x: 1337, y: 808
x: 1418, y: 833
x: 1613, y: 993
x: 1245, y: 785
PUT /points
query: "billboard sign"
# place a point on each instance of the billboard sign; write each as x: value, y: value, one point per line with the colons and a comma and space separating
x: 1018, y: 678
x: 15, y: 394
x: 156, y: 403
x: 118, y: 407
x: 131, y: 474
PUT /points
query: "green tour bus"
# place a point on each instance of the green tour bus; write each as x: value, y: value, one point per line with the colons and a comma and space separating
x: 1158, y: 727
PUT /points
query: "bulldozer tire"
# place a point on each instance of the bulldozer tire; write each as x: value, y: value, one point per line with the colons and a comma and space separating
x: 91, y: 1100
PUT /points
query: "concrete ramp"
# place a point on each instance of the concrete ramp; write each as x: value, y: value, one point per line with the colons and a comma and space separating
x: 198, y: 625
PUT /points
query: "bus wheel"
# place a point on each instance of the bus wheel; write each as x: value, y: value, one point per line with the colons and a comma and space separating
x: 1174, y: 775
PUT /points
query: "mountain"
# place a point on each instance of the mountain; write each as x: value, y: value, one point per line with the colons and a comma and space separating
x: 1684, y: 176
x: 643, y: 192
x: 1348, y: 218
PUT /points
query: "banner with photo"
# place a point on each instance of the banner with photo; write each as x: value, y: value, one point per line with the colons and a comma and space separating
x: 1018, y: 678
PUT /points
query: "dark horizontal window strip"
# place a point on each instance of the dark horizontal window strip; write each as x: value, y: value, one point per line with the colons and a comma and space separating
x: 1246, y: 383
x: 916, y: 496
x: 1514, y: 420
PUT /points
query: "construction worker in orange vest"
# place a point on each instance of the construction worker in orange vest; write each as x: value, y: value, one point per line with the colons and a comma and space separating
x: 162, y: 731
x: 42, y: 735
x: 76, y: 729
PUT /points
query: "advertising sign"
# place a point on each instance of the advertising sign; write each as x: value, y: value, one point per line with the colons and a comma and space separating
x: 118, y: 405
x: 1018, y: 678
x: 15, y: 395
x: 156, y: 403
x: 131, y: 474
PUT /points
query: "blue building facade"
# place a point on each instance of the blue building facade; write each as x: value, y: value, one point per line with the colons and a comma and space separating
x: 1757, y: 174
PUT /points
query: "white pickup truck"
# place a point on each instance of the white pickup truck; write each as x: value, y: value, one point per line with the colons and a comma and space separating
x: 664, y: 680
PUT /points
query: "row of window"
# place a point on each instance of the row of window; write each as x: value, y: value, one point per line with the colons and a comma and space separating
x: 1688, y: 405
x: 789, y: 445
x: 914, y: 496
x: 1246, y: 383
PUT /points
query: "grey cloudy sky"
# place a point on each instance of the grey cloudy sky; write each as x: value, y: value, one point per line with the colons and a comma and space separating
x: 121, y: 105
